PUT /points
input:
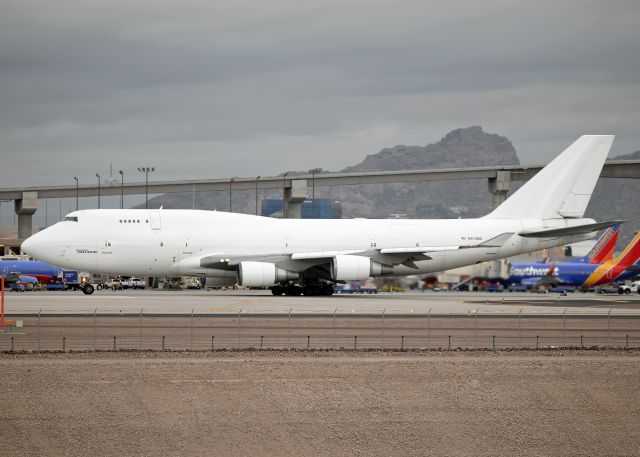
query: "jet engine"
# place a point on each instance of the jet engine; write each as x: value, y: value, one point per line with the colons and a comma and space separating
x: 262, y: 274
x: 354, y: 267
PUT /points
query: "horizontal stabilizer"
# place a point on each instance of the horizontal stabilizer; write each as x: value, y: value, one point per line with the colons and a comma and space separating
x: 545, y: 232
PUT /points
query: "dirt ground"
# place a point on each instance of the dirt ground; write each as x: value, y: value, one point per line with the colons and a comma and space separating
x: 546, y: 403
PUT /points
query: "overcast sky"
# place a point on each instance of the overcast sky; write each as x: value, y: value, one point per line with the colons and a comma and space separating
x: 235, y: 88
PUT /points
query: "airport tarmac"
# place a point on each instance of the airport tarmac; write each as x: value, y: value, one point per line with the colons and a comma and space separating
x: 260, y: 301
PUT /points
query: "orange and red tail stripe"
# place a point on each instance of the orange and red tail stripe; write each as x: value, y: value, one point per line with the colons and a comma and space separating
x: 608, y: 246
x: 609, y: 271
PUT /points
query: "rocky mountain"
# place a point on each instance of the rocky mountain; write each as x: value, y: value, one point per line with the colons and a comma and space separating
x: 460, y: 148
x: 613, y: 198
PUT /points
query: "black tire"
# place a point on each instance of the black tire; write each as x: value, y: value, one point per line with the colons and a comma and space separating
x: 311, y: 291
x: 88, y: 289
x: 99, y: 287
x: 277, y: 290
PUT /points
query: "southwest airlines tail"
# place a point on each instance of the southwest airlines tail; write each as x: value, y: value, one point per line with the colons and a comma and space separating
x: 602, y: 250
x: 609, y: 271
x: 631, y: 253
x: 563, y: 188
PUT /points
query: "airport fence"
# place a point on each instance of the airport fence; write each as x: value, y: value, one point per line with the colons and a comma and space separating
x: 320, y: 331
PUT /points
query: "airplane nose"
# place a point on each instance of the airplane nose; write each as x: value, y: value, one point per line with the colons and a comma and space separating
x: 27, y: 246
x: 31, y: 245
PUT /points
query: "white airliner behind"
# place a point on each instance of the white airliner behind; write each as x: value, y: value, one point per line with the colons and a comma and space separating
x: 295, y: 256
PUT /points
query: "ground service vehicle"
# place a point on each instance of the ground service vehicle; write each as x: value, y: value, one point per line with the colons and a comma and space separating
x: 633, y: 287
x: 18, y: 287
x: 133, y: 283
x: 355, y: 290
x: 71, y: 279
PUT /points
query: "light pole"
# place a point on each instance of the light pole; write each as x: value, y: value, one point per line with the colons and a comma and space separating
x: 314, y: 172
x: 121, y: 189
x: 98, y: 176
x: 77, y: 196
x: 257, y: 178
x: 146, y: 171
x: 230, y: 192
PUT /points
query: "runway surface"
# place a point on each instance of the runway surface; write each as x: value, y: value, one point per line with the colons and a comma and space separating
x: 233, y: 302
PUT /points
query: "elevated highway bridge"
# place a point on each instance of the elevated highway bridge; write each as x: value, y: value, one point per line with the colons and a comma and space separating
x: 295, y: 187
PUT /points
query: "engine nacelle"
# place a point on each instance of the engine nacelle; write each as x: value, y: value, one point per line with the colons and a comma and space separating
x: 355, y: 267
x: 262, y: 274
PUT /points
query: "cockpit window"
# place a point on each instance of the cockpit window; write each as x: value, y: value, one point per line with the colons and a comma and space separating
x: 71, y: 218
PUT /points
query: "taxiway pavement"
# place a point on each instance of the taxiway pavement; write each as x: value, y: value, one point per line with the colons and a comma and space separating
x: 248, y: 301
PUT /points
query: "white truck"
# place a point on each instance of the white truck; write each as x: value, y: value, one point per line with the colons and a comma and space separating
x: 629, y: 288
x: 134, y: 283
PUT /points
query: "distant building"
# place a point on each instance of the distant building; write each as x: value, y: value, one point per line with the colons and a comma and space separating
x: 322, y: 208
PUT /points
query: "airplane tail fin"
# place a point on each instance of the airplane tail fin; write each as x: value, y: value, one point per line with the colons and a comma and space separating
x: 602, y: 250
x: 563, y: 188
x: 631, y: 253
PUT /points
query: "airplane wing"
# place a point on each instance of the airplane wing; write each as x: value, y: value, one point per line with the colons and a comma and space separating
x: 406, y: 256
x: 300, y: 260
x: 390, y: 256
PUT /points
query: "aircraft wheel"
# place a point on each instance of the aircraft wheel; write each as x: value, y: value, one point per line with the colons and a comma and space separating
x: 328, y: 289
x: 277, y: 290
x: 313, y: 290
x: 88, y: 289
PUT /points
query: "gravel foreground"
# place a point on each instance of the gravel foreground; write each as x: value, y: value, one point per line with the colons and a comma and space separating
x: 544, y: 403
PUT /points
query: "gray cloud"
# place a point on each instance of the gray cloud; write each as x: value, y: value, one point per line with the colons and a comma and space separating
x: 225, y: 88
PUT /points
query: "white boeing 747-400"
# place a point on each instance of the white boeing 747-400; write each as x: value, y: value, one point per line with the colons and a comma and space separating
x: 294, y: 256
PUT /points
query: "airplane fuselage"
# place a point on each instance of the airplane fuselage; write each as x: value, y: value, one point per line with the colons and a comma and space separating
x: 161, y: 242
x: 43, y: 272
x: 571, y: 273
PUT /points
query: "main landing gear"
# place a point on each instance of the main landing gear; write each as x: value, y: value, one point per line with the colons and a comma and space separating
x: 87, y: 289
x: 307, y: 289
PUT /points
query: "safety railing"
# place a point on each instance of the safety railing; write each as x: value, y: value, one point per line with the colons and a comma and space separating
x: 320, y: 331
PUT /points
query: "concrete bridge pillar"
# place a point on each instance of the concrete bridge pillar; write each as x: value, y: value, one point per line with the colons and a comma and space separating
x: 25, y: 209
x: 499, y: 186
x: 294, y: 196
